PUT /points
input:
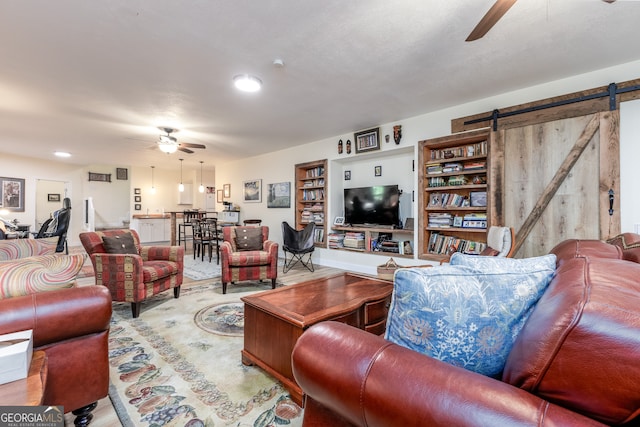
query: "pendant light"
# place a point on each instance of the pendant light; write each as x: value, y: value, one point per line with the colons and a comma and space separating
x: 153, y: 187
x: 201, y: 188
x: 181, y: 186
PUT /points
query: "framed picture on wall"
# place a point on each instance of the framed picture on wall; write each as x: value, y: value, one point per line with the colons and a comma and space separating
x: 252, y: 191
x: 227, y: 191
x: 367, y: 140
x: 137, y: 199
x: 220, y: 196
x: 279, y: 195
x: 137, y: 207
x: 53, y: 197
x: 12, y: 194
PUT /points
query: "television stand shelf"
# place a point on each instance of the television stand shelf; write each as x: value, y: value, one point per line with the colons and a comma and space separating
x: 370, y: 236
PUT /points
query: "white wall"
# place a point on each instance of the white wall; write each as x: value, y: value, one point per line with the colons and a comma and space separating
x: 279, y: 166
x: 629, y: 161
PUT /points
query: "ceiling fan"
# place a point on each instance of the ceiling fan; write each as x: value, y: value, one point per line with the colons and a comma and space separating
x: 499, y: 8
x: 169, y: 144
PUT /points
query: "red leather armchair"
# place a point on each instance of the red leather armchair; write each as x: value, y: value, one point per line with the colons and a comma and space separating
x: 575, y: 362
x: 133, y: 277
x: 72, y: 327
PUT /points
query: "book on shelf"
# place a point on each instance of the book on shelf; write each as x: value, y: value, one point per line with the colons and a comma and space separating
x: 336, y: 240
x: 441, y: 244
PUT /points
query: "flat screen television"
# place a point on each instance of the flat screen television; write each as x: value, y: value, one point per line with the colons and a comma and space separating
x: 377, y: 205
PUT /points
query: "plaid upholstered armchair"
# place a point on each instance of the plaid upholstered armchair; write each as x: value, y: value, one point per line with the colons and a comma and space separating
x: 133, y: 272
x: 248, y: 254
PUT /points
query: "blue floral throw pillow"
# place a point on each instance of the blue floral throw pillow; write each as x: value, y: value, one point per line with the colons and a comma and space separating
x: 463, y: 315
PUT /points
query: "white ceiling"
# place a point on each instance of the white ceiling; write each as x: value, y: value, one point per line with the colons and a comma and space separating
x: 97, y: 77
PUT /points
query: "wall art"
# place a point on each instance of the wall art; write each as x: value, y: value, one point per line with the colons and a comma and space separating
x: 367, y: 140
x: 279, y: 195
x: 252, y: 191
x: 12, y: 194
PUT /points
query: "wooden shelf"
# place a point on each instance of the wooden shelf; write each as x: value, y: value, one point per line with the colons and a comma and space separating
x: 372, y: 229
x: 467, y: 147
x: 368, y: 237
x: 315, y: 172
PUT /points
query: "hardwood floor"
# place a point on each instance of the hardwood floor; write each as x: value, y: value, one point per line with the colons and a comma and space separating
x: 105, y: 415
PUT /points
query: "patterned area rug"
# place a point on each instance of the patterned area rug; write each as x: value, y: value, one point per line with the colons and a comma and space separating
x: 166, y: 370
x: 196, y: 269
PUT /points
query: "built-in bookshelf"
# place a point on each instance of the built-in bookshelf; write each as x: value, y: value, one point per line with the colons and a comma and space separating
x: 373, y: 240
x: 311, y: 191
x: 453, y: 200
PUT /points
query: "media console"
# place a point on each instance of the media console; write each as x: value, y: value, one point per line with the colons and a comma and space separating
x: 367, y: 240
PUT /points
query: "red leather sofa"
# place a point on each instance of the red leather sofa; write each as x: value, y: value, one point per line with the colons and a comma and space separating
x: 576, y: 362
x: 72, y: 327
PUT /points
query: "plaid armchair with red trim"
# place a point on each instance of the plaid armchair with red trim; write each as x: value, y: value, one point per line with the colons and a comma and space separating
x: 134, y: 277
x: 239, y: 265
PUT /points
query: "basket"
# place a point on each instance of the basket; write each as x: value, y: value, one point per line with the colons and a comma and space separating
x: 386, y: 270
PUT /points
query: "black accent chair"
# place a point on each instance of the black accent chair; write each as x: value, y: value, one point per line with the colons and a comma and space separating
x: 298, y: 243
x: 60, y: 219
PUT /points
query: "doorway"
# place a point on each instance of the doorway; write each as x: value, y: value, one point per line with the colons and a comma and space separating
x: 49, y: 197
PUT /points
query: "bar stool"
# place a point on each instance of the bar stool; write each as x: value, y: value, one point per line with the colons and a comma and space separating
x: 187, y: 222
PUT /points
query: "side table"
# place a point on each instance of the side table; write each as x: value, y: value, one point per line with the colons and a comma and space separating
x: 28, y: 391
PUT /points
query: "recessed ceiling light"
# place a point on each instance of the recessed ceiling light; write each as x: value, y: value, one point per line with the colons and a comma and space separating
x: 62, y: 154
x: 247, y: 83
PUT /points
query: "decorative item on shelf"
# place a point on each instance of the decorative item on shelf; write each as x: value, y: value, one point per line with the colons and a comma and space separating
x: 340, y: 147
x: 348, y: 146
x: 181, y: 185
x: 386, y: 138
x: 339, y: 220
x: 397, y: 133
x: 367, y: 140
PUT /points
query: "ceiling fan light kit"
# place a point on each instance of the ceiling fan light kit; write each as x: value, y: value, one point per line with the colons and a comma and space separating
x: 169, y: 144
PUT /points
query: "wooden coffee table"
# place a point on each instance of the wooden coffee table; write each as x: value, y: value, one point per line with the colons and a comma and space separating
x: 275, y: 319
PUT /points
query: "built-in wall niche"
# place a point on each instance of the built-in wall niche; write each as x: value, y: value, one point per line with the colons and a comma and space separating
x: 388, y: 167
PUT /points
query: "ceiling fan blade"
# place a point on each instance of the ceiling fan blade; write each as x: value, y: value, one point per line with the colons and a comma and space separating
x: 185, y: 150
x: 189, y: 145
x: 499, y: 8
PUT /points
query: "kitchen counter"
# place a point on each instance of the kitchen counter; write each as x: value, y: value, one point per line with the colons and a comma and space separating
x: 151, y: 216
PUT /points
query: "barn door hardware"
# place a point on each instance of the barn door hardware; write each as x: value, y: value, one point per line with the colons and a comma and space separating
x: 612, y: 92
x: 611, y: 202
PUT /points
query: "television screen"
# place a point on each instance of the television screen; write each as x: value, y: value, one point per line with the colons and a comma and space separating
x: 378, y: 205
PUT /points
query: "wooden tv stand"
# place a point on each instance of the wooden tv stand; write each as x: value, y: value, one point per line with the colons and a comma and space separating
x: 275, y: 319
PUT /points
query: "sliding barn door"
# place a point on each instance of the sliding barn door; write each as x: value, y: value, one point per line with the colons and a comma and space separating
x: 556, y: 181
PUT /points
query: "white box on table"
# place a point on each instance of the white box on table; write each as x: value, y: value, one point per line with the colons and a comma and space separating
x: 16, y: 350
